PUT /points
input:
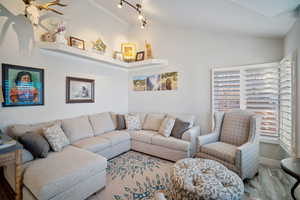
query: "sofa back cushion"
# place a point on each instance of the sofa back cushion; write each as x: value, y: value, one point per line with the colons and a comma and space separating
x: 153, y: 121
x: 77, y: 128
x: 102, y: 123
x: 236, y: 126
x: 15, y: 131
x: 185, y: 117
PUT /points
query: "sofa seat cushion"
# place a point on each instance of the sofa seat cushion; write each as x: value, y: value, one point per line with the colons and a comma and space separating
x: 117, y: 137
x: 143, y: 135
x: 93, y: 144
x: 60, y: 171
x: 171, y: 143
x: 220, y: 150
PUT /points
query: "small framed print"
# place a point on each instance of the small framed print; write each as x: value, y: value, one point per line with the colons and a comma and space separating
x: 140, y: 56
x: 80, y: 90
x: 22, y: 86
x: 129, y: 51
x: 118, y: 55
x: 76, y: 42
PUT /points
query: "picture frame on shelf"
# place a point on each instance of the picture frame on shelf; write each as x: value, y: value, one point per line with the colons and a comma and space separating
x: 118, y: 55
x: 140, y: 56
x: 129, y: 51
x: 22, y: 86
x: 80, y: 90
x: 76, y: 42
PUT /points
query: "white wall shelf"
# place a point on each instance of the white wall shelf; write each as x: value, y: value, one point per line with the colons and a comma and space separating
x: 72, y: 51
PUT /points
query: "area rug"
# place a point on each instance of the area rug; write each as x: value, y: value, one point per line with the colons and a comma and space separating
x: 135, y: 176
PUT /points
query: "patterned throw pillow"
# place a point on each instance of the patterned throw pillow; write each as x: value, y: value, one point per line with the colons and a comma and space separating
x: 133, y: 122
x: 56, y: 137
x: 166, y: 127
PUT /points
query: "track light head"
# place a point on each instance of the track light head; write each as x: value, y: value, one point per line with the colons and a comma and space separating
x: 120, y: 5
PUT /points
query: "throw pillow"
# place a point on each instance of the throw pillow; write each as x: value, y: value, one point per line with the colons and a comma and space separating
x: 133, y: 122
x: 179, y: 128
x: 36, y: 144
x: 102, y: 123
x: 166, y: 127
x: 56, y: 137
x: 153, y: 122
x: 121, y: 124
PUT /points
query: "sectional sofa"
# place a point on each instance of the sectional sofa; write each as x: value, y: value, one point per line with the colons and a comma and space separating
x: 79, y: 170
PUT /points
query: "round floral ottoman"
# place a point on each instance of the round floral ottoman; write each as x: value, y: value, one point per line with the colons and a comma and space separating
x: 201, y: 179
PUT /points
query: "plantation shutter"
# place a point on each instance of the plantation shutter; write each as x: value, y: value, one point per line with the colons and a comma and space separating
x: 262, y: 96
x: 286, y: 105
x: 226, y: 90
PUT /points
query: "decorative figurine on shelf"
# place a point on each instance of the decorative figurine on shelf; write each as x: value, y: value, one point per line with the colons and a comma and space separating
x: 32, y: 9
x: 99, y: 46
x: 48, y: 37
x: 60, y: 34
x: 149, y: 54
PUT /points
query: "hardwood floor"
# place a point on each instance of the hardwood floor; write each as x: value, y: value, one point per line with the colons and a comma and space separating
x: 270, y: 184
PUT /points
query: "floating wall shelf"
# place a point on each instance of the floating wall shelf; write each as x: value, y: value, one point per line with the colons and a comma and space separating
x: 72, y: 51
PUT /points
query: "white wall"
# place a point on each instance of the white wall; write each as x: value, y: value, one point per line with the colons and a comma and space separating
x: 192, y: 53
x: 292, y: 43
x: 111, y: 85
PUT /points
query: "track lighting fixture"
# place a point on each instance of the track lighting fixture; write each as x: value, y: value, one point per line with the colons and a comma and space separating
x: 138, y: 8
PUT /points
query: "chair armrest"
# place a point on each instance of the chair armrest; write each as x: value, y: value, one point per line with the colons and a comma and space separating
x: 191, y: 136
x: 247, y: 159
x: 207, y: 139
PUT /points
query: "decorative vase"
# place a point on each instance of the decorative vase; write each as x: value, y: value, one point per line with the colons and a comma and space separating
x: 60, y: 38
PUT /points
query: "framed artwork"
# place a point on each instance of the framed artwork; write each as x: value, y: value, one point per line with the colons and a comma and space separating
x: 22, y: 86
x: 140, y: 56
x: 153, y: 82
x: 76, y: 42
x: 118, y: 55
x: 169, y: 81
x: 128, y: 51
x: 139, y: 83
x: 80, y: 90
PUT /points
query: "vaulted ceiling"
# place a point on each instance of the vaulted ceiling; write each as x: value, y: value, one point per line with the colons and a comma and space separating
x: 267, y: 18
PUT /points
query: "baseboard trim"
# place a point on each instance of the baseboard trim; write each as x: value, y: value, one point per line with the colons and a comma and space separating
x: 269, y: 162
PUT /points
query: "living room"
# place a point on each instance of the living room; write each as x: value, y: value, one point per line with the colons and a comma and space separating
x: 146, y: 84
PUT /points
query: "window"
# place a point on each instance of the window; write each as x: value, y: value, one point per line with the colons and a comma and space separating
x: 266, y: 89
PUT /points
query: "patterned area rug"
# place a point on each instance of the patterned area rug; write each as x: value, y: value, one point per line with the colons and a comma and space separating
x: 135, y: 176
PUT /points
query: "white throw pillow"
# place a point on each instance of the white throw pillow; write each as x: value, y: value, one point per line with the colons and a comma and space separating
x: 166, y: 126
x: 133, y: 122
x: 56, y: 137
x: 153, y: 122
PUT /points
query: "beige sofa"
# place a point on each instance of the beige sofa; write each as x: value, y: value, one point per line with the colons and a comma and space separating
x: 79, y: 170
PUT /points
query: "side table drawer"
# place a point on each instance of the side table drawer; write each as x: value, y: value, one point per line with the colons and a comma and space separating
x: 7, y: 158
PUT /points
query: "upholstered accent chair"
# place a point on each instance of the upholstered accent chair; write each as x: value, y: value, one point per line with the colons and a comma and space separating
x: 234, y: 142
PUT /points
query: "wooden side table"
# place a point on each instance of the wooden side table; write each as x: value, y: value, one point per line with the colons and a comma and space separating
x: 13, y: 155
x: 292, y: 167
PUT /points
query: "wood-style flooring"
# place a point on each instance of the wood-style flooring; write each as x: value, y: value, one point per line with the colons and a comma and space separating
x: 270, y: 184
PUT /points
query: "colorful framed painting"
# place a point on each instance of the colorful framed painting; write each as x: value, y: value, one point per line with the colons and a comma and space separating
x: 128, y: 51
x: 22, y: 86
x: 80, y: 90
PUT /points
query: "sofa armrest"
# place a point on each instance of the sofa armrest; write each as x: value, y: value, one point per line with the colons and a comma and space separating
x: 247, y: 159
x: 191, y: 136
